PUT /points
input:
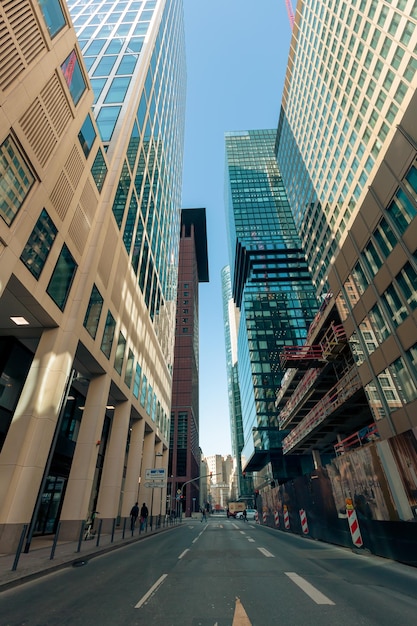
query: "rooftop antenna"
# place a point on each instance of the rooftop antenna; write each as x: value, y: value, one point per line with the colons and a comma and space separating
x: 290, y: 12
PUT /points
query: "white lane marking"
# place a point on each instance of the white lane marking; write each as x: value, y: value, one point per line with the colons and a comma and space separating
x: 251, y: 540
x: 265, y: 552
x: 151, y: 591
x: 242, y: 532
x: 184, y: 553
x: 315, y: 594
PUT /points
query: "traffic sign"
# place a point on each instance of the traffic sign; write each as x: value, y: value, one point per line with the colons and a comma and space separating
x: 157, y: 472
x: 152, y: 484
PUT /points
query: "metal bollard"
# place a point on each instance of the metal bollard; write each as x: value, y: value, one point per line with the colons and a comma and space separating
x: 55, y: 541
x: 100, y: 524
x: 19, y: 547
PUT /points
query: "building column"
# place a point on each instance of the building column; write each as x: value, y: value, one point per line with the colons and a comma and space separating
x: 133, y: 470
x: 148, y: 462
x: 112, y: 477
x: 81, y: 479
x: 28, y: 443
x: 316, y: 458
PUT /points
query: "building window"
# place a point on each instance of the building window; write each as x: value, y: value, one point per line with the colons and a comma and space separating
x: 143, y: 390
x: 136, y: 384
x: 62, y: 277
x: 16, y: 180
x: 99, y: 170
x: 92, y: 316
x: 73, y: 76
x: 120, y: 353
x: 405, y: 383
x: 106, y: 121
x: 53, y: 15
x: 129, y: 369
x: 149, y: 399
x: 39, y: 244
x: 87, y: 135
x: 108, y: 335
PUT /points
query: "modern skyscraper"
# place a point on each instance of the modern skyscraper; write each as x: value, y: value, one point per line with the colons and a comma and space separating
x: 184, y: 451
x: 271, y: 287
x: 244, y: 482
x: 90, y: 208
x: 351, y: 75
x: 347, y: 150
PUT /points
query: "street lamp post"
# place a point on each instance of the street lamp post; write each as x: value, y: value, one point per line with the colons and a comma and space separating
x: 157, y: 454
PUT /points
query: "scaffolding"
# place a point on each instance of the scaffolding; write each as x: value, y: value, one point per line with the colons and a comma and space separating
x: 345, y: 388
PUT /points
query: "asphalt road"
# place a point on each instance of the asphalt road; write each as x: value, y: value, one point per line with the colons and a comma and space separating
x: 220, y: 573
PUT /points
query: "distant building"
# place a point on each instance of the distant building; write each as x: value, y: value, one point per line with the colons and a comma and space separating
x: 271, y: 286
x: 184, y: 450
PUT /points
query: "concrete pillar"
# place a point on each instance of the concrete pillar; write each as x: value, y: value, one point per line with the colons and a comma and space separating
x: 112, y: 477
x: 316, y: 459
x: 28, y: 443
x: 133, y: 470
x: 81, y: 478
x: 148, y: 462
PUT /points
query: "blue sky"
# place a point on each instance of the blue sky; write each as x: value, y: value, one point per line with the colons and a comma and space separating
x: 237, y: 54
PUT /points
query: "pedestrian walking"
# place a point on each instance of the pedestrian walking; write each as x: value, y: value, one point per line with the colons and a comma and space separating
x: 203, y: 514
x: 144, y: 513
x: 245, y: 516
x: 134, y: 514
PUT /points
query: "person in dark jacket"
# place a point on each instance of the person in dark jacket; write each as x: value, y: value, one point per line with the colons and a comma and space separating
x: 143, y: 516
x: 134, y: 514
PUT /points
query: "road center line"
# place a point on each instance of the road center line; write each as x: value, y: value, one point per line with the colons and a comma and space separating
x: 315, y: 594
x: 151, y: 591
x: 184, y: 553
x: 266, y: 552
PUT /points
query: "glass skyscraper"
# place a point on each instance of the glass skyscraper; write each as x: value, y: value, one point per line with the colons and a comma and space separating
x: 350, y: 77
x: 271, y: 286
x: 91, y: 169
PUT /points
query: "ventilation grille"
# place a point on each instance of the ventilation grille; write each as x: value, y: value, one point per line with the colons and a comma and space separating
x: 46, y: 119
x: 20, y: 39
x: 62, y: 195
x: 74, y: 167
x: 79, y: 229
x: 88, y: 201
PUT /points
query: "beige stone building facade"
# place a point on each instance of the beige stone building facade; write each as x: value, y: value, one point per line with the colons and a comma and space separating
x: 87, y: 289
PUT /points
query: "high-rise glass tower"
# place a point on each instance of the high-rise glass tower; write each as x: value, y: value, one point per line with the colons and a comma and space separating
x: 91, y: 143
x: 271, y: 286
x: 350, y: 77
x: 347, y: 150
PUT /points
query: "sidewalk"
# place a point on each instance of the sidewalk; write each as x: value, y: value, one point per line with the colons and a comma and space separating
x: 37, y: 562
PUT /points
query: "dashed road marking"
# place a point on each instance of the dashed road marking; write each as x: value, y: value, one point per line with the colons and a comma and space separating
x: 184, y: 553
x: 266, y: 552
x: 151, y: 591
x: 315, y: 594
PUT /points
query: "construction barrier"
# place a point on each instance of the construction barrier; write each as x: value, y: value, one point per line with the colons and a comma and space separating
x: 276, y: 518
x: 303, y: 519
x: 355, y: 531
x: 256, y: 517
x: 264, y: 517
x: 286, y: 518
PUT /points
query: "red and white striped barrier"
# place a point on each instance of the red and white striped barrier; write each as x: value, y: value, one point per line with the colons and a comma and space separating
x: 355, y: 531
x: 286, y: 518
x: 264, y: 517
x: 303, y: 519
x: 256, y: 517
x: 276, y: 518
